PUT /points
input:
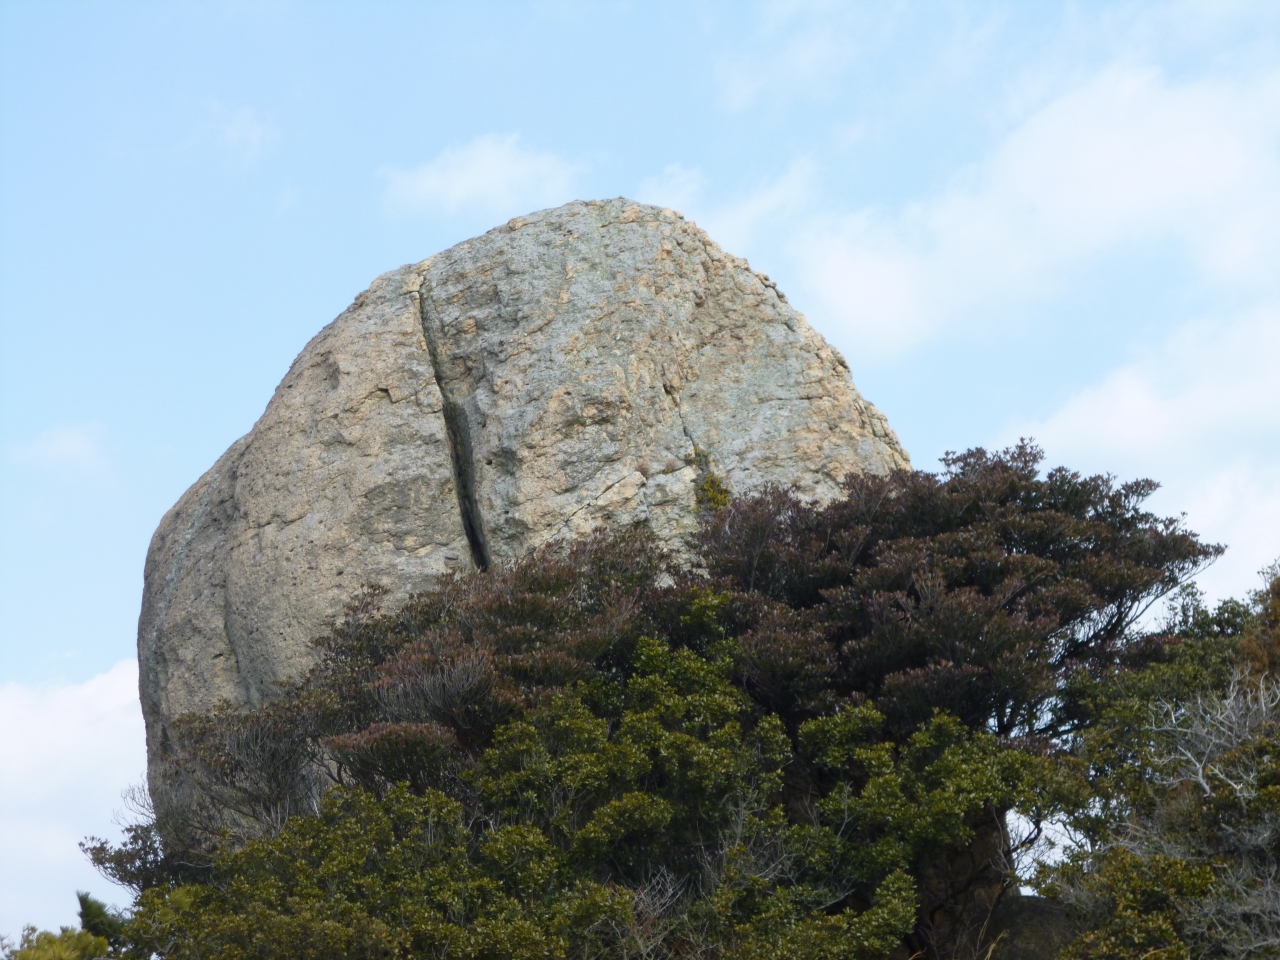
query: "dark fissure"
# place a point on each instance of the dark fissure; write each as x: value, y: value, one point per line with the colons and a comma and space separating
x: 458, y: 430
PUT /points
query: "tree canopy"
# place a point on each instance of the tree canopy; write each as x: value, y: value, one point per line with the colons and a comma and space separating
x: 827, y: 731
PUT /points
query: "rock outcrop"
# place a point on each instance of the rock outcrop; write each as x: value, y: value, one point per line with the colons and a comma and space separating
x: 579, y: 366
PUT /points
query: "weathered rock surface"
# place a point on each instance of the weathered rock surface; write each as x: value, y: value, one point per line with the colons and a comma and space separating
x: 578, y: 366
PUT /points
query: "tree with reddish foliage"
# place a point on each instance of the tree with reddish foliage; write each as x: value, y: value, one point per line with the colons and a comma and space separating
x: 980, y: 592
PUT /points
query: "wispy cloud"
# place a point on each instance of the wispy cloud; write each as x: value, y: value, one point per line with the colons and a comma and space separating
x: 773, y: 202
x: 67, y: 754
x: 799, y: 48
x: 677, y: 187
x: 238, y: 132
x: 68, y: 449
x: 1126, y: 158
x: 759, y: 207
x: 492, y: 174
x: 1201, y: 411
x: 1120, y: 161
x: 1214, y: 380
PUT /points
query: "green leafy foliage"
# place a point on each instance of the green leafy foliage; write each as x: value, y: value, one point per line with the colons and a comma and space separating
x: 1183, y: 831
x: 379, y: 876
x: 620, y: 815
x: 1138, y: 903
x: 67, y: 944
x: 809, y: 745
x: 101, y: 933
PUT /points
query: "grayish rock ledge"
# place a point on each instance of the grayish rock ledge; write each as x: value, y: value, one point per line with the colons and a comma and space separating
x: 575, y: 367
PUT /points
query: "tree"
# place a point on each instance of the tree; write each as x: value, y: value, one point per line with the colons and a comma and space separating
x: 817, y: 732
x: 987, y: 592
x: 67, y: 944
x: 99, y: 920
x: 625, y: 817
x: 1182, y: 856
x: 101, y: 933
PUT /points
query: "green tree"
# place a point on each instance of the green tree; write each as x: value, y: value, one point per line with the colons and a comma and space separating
x: 99, y: 920
x: 629, y: 816
x: 810, y: 744
x: 67, y: 944
x: 1182, y: 840
x: 101, y: 934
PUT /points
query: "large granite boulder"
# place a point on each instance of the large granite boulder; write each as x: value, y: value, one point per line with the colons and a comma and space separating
x: 579, y: 366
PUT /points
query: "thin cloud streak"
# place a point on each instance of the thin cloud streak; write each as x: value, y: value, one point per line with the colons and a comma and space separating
x: 491, y: 174
x: 677, y: 187
x: 800, y: 49
x: 76, y: 449
x: 738, y: 223
x: 1124, y: 160
x: 237, y: 132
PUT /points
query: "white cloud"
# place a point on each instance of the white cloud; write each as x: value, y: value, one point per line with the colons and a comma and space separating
x: 75, y: 448
x: 1215, y: 380
x: 66, y: 754
x: 492, y: 174
x: 736, y: 224
x: 1239, y: 505
x: 1200, y: 412
x: 1125, y: 159
x: 1123, y: 162
x: 677, y: 187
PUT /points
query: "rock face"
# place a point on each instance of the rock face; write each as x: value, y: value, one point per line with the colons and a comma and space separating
x: 579, y: 366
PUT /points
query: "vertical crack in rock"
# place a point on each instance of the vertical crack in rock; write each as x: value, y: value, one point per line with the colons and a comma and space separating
x: 701, y: 457
x: 458, y: 429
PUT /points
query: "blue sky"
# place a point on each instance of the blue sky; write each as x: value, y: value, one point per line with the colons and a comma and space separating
x: 1055, y: 220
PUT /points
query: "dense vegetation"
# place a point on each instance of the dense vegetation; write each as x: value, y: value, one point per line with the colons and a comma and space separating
x: 840, y: 732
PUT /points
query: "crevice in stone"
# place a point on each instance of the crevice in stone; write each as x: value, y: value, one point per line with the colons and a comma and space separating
x: 458, y: 430
x: 708, y: 486
x: 671, y: 393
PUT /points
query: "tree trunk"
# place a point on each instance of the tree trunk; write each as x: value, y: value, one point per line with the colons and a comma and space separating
x: 960, y: 890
